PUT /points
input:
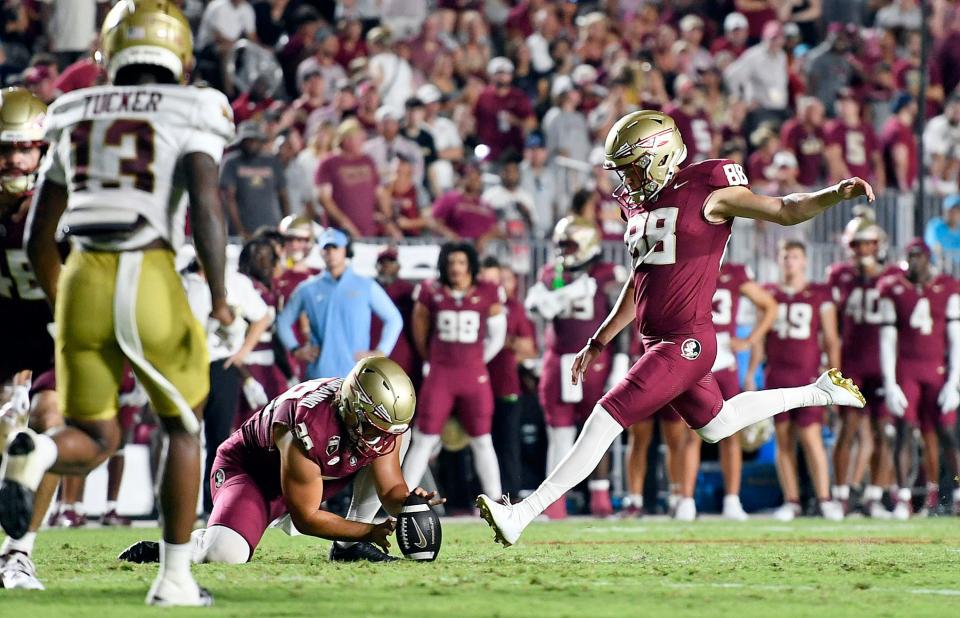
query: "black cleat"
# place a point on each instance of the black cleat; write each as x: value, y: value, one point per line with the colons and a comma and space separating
x: 141, y: 552
x: 359, y: 552
x: 16, y: 500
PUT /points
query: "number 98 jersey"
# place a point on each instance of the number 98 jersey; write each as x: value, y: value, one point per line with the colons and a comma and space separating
x: 458, y: 323
x: 118, y: 150
x: 676, y: 252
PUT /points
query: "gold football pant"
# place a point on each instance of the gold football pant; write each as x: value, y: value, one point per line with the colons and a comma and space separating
x: 127, y: 307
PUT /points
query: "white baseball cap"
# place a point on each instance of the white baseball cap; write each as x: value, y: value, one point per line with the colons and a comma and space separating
x: 734, y: 21
x: 428, y: 93
x: 500, y: 64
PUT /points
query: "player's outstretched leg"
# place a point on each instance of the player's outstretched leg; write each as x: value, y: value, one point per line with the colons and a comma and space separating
x: 508, y: 521
x: 831, y: 388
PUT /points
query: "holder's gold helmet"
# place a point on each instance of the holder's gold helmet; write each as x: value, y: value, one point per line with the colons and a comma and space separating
x: 377, y: 402
x: 152, y: 32
x: 22, y: 123
x: 645, y: 149
x: 576, y: 241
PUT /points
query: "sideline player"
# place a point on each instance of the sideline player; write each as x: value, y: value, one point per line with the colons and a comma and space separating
x: 853, y: 284
x: 919, y: 332
x: 573, y: 294
x: 678, y: 223
x: 121, y: 157
x: 302, y: 448
x: 458, y: 326
x: 805, y: 326
x: 24, y: 312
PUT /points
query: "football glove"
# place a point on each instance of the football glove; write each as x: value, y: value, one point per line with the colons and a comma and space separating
x: 895, y: 399
x: 949, y: 398
x: 255, y: 395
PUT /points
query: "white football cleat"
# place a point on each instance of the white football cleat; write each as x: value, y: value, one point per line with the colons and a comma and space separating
x: 876, y: 510
x: 17, y: 571
x: 831, y: 510
x: 686, y: 510
x: 788, y: 511
x: 179, y: 592
x: 842, y: 391
x: 733, y: 509
x: 503, y: 518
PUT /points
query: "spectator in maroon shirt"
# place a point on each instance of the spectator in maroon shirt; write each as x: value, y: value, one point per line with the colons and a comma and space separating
x: 735, y: 34
x: 946, y: 59
x: 767, y: 143
x: 900, y: 144
x: 692, y: 120
x: 460, y: 213
x: 803, y: 136
x: 399, y: 197
x: 520, y: 19
x: 352, y: 43
x: 502, y: 112
x: 313, y: 97
x: 347, y: 182
x: 851, y: 146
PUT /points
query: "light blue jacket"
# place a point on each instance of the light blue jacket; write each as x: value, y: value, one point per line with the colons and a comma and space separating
x: 339, y: 311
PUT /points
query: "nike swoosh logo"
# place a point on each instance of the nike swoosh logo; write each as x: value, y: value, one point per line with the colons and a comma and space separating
x: 422, y: 543
x: 680, y: 184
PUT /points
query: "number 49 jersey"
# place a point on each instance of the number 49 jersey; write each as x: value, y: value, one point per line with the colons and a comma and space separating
x: 920, y: 313
x: 458, y: 322
x: 119, y: 151
x: 793, y: 344
x: 676, y: 252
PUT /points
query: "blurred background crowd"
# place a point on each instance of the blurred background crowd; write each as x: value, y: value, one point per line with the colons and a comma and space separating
x: 407, y: 123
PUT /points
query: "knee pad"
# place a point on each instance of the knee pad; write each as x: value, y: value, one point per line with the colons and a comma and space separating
x: 222, y: 545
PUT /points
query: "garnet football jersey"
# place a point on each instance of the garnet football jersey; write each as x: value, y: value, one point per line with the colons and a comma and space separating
x: 571, y: 328
x: 676, y: 252
x: 858, y: 305
x: 793, y: 344
x: 309, y: 412
x: 458, y: 321
x: 726, y: 304
x: 920, y: 313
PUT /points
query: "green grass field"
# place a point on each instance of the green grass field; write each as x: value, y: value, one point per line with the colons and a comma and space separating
x: 574, y: 568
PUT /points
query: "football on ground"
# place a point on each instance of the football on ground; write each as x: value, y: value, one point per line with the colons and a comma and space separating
x: 418, y: 531
x: 647, y: 567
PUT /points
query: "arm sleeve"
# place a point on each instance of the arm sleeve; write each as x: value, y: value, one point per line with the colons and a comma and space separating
x: 388, y: 313
x: 288, y: 317
x: 953, y: 339
x: 496, y: 336
x: 888, y: 353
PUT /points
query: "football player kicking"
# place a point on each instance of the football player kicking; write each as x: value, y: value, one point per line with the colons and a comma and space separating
x: 919, y: 333
x: 302, y: 448
x: 121, y: 157
x: 574, y: 294
x: 806, y: 324
x: 678, y: 223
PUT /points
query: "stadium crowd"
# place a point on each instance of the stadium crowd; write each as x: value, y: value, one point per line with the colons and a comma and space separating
x: 480, y: 125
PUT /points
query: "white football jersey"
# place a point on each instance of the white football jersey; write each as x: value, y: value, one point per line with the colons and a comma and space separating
x: 118, y: 150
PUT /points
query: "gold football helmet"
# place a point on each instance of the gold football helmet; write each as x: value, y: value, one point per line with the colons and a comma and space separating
x: 377, y: 402
x: 22, y: 118
x: 645, y: 149
x: 576, y: 241
x: 151, y: 32
x: 863, y: 228
x: 296, y: 226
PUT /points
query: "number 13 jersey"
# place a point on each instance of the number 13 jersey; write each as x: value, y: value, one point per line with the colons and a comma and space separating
x: 119, y: 151
x: 675, y: 252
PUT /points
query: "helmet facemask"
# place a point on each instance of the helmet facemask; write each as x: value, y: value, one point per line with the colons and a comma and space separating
x: 576, y: 242
x: 644, y: 177
x: 14, y: 180
x: 374, y: 384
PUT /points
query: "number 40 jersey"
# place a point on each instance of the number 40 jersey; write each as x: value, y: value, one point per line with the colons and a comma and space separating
x: 119, y: 151
x: 676, y: 252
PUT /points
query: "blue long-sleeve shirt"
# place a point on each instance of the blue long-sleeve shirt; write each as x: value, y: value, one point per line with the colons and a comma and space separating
x: 339, y: 312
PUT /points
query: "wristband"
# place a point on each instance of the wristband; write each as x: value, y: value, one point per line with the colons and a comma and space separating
x: 595, y: 344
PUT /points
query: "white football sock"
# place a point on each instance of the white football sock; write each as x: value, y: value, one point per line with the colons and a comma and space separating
x: 872, y: 492
x: 175, y: 559
x: 487, y: 465
x: 559, y: 442
x: 111, y: 506
x: 418, y: 457
x: 750, y: 407
x: 24, y: 544
x: 635, y: 500
x: 956, y: 494
x: 841, y: 492
x: 598, y: 433
x: 216, y: 544
x: 599, y: 485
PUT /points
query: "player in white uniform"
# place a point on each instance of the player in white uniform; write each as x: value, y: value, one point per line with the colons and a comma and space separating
x: 121, y: 158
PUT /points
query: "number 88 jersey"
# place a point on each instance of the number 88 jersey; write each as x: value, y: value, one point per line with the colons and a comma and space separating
x: 675, y: 252
x: 458, y: 322
x: 118, y: 150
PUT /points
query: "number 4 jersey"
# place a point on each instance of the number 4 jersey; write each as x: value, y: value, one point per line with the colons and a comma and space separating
x: 119, y: 151
x: 676, y: 252
x: 920, y: 313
